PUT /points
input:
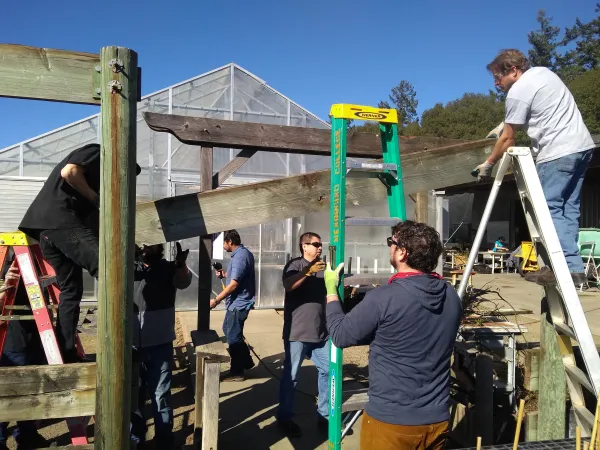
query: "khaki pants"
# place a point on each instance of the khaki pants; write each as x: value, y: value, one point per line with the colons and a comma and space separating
x: 376, y: 435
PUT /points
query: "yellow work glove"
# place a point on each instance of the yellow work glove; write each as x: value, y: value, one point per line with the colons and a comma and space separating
x: 315, y: 267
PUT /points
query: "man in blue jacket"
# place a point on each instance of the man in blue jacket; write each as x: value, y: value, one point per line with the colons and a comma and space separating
x: 410, y: 325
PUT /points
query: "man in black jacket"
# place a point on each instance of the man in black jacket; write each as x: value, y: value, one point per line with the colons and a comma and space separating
x: 410, y: 325
x: 64, y: 219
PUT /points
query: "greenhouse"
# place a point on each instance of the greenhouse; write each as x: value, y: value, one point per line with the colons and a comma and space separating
x: 170, y: 168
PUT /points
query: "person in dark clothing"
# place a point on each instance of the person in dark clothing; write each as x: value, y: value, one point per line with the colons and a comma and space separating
x: 239, y: 296
x: 304, y: 331
x: 411, y: 326
x: 156, y: 284
x: 22, y: 347
x: 64, y: 218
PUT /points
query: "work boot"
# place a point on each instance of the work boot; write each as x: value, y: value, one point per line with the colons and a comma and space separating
x: 545, y: 276
x: 290, y: 428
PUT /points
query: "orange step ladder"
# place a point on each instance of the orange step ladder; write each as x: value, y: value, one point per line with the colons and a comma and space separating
x: 37, y: 275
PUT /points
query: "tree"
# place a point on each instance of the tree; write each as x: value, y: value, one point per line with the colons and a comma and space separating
x: 470, y: 117
x: 586, y: 91
x: 544, y: 42
x: 404, y: 99
x: 586, y: 37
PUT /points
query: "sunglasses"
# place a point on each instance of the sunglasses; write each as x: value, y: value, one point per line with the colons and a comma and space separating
x: 314, y: 244
x: 391, y: 241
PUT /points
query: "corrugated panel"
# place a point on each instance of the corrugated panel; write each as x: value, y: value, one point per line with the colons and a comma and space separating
x: 15, y: 197
x: 590, y: 201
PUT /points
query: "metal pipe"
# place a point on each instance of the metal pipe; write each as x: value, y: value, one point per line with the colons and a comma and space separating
x: 504, y: 162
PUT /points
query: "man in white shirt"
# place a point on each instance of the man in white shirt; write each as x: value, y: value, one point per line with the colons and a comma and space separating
x: 539, y: 102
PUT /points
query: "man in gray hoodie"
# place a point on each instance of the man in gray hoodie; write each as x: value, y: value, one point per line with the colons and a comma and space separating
x: 410, y: 325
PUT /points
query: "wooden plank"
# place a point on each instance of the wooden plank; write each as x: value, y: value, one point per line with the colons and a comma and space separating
x: 421, y: 206
x: 278, y: 138
x: 354, y: 400
x: 484, y: 398
x: 210, y: 405
x: 31, y: 380
x: 47, y: 392
x: 232, y: 166
x: 75, y: 403
x: 531, y: 426
x: 208, y: 345
x: 552, y: 383
x: 47, y: 74
x: 531, y: 369
x: 192, y: 215
x: 205, y: 271
x: 199, y: 391
x: 115, y: 281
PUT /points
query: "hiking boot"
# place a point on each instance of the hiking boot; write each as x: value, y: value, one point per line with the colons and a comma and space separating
x: 290, y: 428
x: 233, y: 376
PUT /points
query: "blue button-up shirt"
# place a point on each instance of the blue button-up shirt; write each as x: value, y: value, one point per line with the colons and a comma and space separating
x: 241, y: 269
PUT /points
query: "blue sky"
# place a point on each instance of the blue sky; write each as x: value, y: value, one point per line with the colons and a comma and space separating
x: 316, y: 53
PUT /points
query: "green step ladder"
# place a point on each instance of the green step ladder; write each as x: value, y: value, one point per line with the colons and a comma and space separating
x: 390, y: 173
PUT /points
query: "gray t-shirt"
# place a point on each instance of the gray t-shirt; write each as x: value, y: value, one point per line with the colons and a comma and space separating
x: 541, y: 101
x: 304, y: 307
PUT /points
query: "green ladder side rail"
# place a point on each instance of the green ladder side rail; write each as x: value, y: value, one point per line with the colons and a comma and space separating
x: 390, y: 172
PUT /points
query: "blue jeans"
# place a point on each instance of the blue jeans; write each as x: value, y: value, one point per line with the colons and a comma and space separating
x: 295, y: 352
x: 156, y: 372
x: 233, y: 328
x: 23, y: 428
x: 561, y: 181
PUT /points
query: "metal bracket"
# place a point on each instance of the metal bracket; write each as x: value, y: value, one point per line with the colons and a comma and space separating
x: 116, y: 65
x: 97, y: 82
x: 115, y: 86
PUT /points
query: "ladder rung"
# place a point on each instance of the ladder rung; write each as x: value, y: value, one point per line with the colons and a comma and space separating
x: 47, y: 280
x: 372, y: 221
x: 584, y: 415
x: 580, y: 376
x: 565, y: 329
x: 15, y: 317
x: 371, y: 166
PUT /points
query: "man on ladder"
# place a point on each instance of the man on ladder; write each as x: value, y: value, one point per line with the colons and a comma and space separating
x: 64, y: 218
x: 538, y: 101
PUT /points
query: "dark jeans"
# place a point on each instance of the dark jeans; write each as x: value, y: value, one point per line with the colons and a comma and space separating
x: 23, y: 428
x: 233, y: 328
x: 156, y: 372
x: 68, y: 251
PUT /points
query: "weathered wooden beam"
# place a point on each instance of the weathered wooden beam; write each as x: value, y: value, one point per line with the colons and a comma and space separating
x: 47, y: 74
x: 192, y: 215
x: 205, y: 246
x: 47, y: 392
x: 279, y: 138
x: 117, y: 217
x: 232, y: 166
x: 552, y: 382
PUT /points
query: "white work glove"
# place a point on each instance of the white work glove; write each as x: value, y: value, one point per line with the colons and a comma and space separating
x: 496, y: 132
x: 483, y: 171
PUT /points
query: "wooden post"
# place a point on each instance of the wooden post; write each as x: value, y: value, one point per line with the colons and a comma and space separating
x: 421, y: 207
x: 210, y: 410
x: 205, y: 270
x: 119, y: 84
x: 552, y: 382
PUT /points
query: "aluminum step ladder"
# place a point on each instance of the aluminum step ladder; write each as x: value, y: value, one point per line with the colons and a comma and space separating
x: 390, y: 173
x: 563, y: 302
x: 37, y: 276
